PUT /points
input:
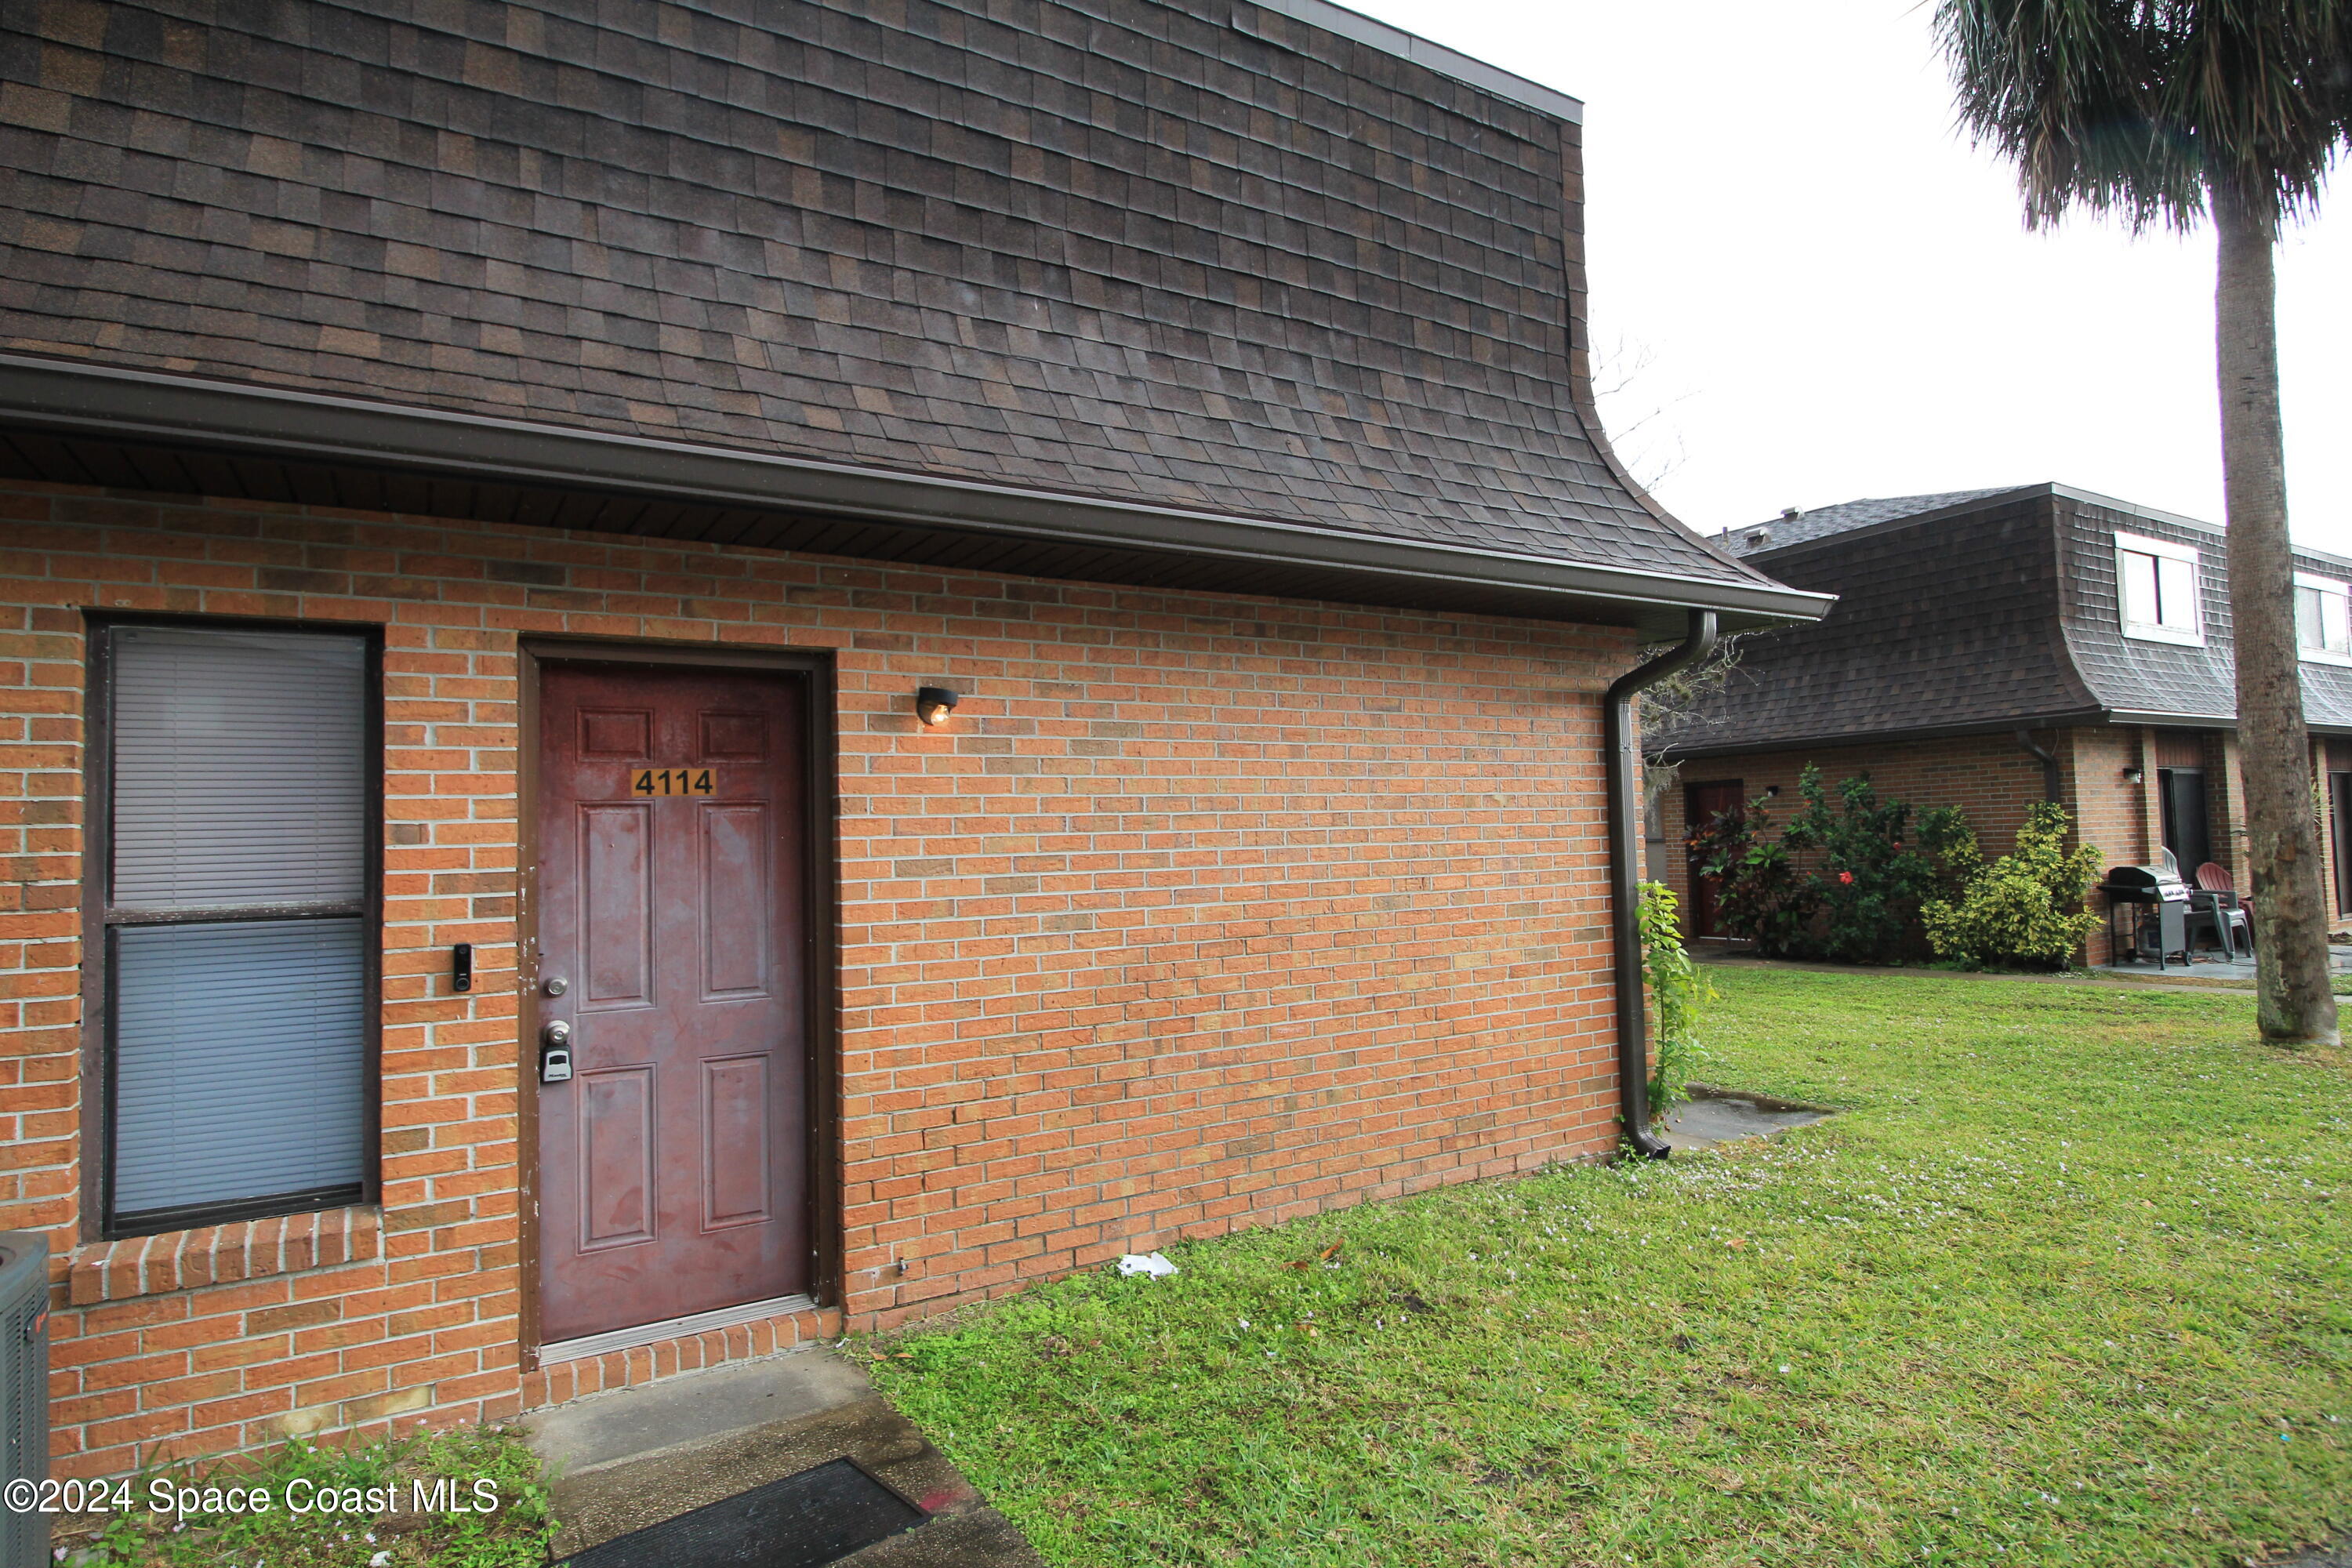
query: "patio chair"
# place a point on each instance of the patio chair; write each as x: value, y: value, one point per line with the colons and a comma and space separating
x: 2215, y: 899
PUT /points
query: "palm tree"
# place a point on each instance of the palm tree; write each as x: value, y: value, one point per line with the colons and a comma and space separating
x: 2167, y: 113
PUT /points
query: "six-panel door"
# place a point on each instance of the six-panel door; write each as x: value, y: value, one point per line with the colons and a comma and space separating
x: 1702, y: 804
x: 673, y: 1165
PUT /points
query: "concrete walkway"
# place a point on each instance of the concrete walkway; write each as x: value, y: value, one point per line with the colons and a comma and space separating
x: 2204, y: 979
x: 624, y: 1460
x: 1712, y: 1116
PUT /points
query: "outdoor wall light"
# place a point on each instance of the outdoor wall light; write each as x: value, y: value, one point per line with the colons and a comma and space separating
x: 2133, y: 773
x: 934, y: 703
x: 1772, y: 791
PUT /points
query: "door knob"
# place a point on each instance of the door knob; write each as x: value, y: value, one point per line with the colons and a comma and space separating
x: 559, y: 1032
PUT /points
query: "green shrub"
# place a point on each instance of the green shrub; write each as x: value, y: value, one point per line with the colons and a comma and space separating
x: 1677, y: 992
x: 1842, y: 881
x: 2025, y: 910
x: 1762, y: 896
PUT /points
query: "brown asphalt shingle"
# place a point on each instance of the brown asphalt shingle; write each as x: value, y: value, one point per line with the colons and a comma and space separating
x: 1117, y: 247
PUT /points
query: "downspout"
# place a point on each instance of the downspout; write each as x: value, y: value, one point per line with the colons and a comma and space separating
x: 1625, y: 760
x: 2051, y: 790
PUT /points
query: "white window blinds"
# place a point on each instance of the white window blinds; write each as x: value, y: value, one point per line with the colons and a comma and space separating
x: 239, y: 1049
x: 239, y: 778
x: 239, y: 966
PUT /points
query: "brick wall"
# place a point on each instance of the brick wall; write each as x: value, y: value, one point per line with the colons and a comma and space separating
x: 2329, y: 757
x: 2121, y: 818
x: 1204, y: 913
x: 1991, y: 777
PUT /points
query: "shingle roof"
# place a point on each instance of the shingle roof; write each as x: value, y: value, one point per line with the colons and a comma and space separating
x: 1781, y: 532
x: 2134, y: 676
x: 2002, y: 611
x: 1115, y: 248
x: 1942, y: 624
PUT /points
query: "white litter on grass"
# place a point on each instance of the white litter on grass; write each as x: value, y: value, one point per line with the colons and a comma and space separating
x: 1150, y: 1263
x: 379, y: 1560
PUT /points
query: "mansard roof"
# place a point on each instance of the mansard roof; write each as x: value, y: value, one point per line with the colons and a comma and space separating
x: 1255, y: 262
x: 1988, y: 610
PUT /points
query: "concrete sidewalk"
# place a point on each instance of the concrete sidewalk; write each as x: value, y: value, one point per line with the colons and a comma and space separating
x: 624, y: 1460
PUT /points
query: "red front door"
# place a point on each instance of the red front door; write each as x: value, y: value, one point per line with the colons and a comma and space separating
x: 673, y: 1165
x: 1702, y: 804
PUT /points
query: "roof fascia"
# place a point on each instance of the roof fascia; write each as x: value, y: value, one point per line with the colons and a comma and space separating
x: 2133, y: 508
x: 112, y: 401
x: 2154, y: 514
x: 1894, y: 524
x: 2209, y: 722
x: 2138, y: 716
x: 2085, y: 719
x: 1874, y: 737
x: 1412, y: 47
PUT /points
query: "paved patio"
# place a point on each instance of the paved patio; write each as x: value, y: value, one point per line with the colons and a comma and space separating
x: 2212, y: 966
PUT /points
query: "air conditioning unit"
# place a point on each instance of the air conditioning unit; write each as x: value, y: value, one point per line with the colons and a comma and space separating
x: 24, y: 1391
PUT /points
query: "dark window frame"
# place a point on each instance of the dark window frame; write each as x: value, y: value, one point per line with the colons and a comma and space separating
x: 100, y: 923
x: 2171, y: 786
x: 2339, y: 807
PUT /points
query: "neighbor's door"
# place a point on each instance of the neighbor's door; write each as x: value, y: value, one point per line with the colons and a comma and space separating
x: 1702, y: 804
x: 2181, y: 794
x: 673, y: 1166
x: 2340, y: 798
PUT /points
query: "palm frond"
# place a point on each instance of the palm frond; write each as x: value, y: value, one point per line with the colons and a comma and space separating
x: 2147, y: 109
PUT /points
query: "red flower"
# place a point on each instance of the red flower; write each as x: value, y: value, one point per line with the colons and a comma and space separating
x: 1846, y: 876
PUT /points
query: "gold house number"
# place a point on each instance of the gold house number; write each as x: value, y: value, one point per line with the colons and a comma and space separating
x: 670, y: 780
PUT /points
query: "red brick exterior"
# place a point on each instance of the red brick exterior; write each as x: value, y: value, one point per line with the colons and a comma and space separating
x: 1990, y: 775
x: 222, y: 1254
x: 1205, y: 911
x: 1995, y: 780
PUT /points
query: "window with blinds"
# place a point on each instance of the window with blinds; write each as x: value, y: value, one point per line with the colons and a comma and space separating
x: 240, y: 942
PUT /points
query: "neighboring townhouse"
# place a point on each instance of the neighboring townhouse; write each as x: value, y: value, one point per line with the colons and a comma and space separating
x: 1990, y: 648
x: 682, y: 675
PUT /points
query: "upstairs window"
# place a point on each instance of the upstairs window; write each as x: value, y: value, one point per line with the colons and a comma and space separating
x: 236, y: 900
x: 2322, y: 619
x: 2159, y: 590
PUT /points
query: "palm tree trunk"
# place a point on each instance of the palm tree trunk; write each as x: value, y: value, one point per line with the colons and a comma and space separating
x: 2296, y: 1002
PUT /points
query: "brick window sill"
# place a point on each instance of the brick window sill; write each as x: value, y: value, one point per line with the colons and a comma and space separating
x: 222, y: 1254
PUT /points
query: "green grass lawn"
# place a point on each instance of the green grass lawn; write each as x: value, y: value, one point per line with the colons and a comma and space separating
x: 2069, y: 1282
x: 306, y: 1527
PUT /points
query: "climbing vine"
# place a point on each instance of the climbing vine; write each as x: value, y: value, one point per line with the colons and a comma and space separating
x: 1678, y: 992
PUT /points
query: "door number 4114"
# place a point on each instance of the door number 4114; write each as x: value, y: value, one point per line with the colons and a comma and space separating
x: 670, y: 780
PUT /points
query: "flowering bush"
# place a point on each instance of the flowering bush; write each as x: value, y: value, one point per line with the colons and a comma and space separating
x: 1762, y: 894
x: 2025, y: 910
x: 1842, y: 881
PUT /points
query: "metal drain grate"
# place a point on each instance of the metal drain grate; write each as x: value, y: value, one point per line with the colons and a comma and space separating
x: 818, y: 1516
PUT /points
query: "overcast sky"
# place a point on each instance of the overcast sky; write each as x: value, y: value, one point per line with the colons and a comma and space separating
x: 1827, y: 293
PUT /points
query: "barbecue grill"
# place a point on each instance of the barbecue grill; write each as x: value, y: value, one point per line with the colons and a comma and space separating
x: 2147, y: 914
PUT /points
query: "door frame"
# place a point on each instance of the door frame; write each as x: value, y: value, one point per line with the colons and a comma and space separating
x: 820, y: 937
x: 2339, y: 813
x: 2169, y: 783
x: 1738, y: 787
